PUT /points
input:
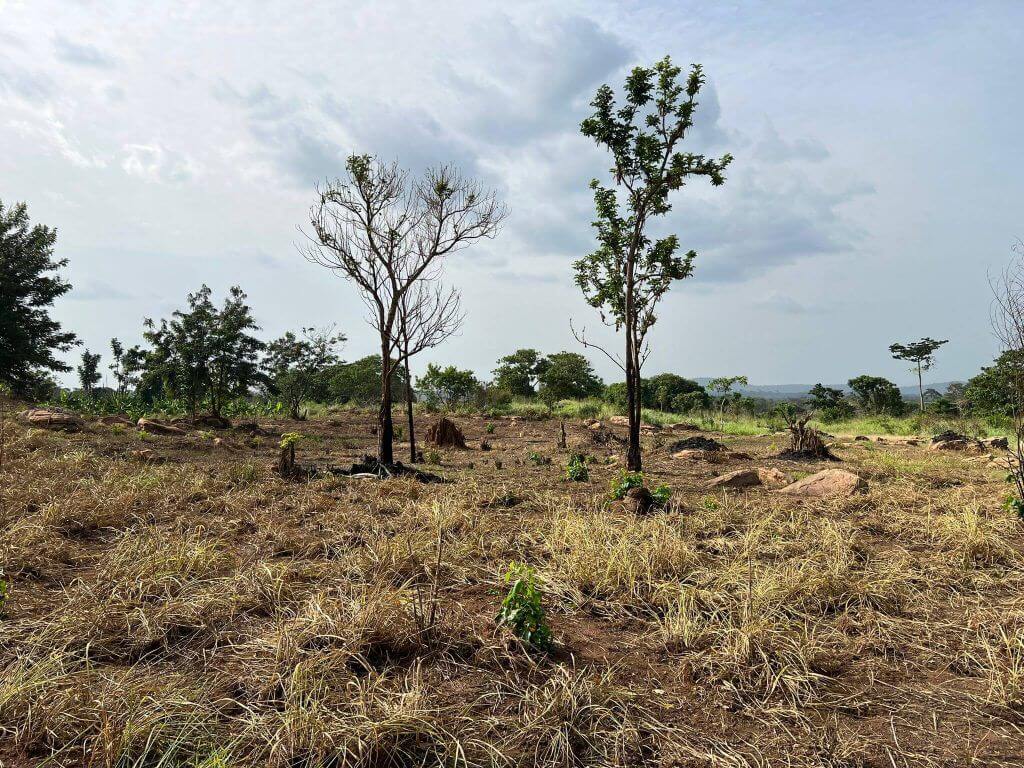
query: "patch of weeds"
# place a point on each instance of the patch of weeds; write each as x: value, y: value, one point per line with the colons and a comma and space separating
x: 522, y: 610
x: 577, y: 470
x: 625, y: 482
x: 710, y: 503
x: 539, y: 459
x: 1012, y: 504
x: 432, y: 457
x: 4, y: 589
x: 661, y: 495
x: 489, y: 428
x: 289, y: 439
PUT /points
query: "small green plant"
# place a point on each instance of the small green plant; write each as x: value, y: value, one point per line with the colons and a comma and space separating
x: 1012, y: 504
x: 577, y: 470
x: 522, y: 610
x: 489, y: 428
x: 4, y: 588
x: 710, y: 503
x: 661, y: 495
x: 539, y: 459
x: 432, y: 457
x: 289, y: 439
x: 625, y: 482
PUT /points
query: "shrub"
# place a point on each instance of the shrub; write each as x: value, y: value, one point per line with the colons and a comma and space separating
x: 522, y: 610
x: 629, y: 480
x: 625, y: 482
x: 577, y: 470
x: 489, y: 428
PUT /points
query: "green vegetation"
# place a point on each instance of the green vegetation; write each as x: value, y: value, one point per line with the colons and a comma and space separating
x: 29, y: 337
x: 576, y: 470
x: 522, y: 610
x: 627, y: 275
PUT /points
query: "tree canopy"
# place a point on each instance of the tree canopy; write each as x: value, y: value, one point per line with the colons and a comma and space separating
x: 29, y: 336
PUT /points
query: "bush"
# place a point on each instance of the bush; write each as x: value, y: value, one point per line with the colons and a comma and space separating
x: 577, y: 470
x: 522, y: 610
x: 629, y: 480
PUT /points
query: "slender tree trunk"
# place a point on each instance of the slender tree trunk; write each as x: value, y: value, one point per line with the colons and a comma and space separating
x: 385, y: 427
x: 408, y: 411
x: 920, y: 387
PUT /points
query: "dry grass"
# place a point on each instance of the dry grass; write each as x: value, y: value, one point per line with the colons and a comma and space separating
x: 203, y: 612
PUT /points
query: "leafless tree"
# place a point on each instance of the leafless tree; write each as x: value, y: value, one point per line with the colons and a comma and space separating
x: 385, y: 231
x: 428, y: 315
x: 1008, y: 325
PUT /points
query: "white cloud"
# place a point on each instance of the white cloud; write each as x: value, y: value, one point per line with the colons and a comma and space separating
x: 155, y: 163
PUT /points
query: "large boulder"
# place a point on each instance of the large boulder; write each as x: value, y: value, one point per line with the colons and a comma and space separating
x: 828, y: 482
x: 54, y: 419
x: 710, y: 457
x: 741, y: 478
x: 697, y: 443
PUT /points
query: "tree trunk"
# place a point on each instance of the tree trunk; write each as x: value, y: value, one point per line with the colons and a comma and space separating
x: 633, y: 461
x: 920, y: 387
x: 408, y: 410
x: 385, y: 427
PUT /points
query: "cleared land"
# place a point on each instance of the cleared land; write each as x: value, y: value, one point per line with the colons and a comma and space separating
x: 174, y: 602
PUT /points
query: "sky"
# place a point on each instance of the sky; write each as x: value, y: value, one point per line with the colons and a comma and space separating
x: 876, y: 184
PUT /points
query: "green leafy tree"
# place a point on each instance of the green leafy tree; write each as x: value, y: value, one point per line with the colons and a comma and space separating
x: 922, y: 354
x: 722, y: 386
x: 663, y: 390
x: 568, y: 375
x: 447, y: 387
x: 830, y: 402
x: 88, y: 372
x: 296, y: 366
x: 127, y: 366
x: 666, y: 391
x: 203, y: 354
x: 993, y: 391
x: 519, y: 373
x: 360, y: 381
x: 877, y: 395
x: 628, y: 273
x: 29, y: 336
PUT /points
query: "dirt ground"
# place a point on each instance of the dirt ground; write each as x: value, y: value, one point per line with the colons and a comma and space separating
x: 172, y: 601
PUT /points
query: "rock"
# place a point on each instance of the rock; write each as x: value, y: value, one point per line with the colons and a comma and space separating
x: 639, y: 501
x: 143, y: 454
x: 697, y: 443
x: 621, y: 421
x: 595, y: 425
x: 158, y: 427
x: 123, y: 421
x: 484, y: 445
x: 996, y: 442
x: 711, y: 457
x: 954, y: 441
x: 684, y: 426
x: 861, y: 438
x: 828, y: 482
x: 53, y: 419
x: 741, y: 478
x: 772, y: 477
